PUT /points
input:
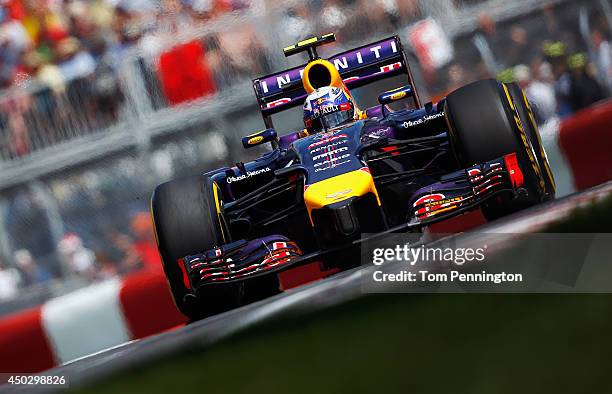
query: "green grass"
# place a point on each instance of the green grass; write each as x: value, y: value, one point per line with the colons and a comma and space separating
x: 596, y: 218
x: 404, y: 343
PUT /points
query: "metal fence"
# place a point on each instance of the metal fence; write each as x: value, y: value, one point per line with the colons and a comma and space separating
x: 237, y: 46
x: 80, y: 161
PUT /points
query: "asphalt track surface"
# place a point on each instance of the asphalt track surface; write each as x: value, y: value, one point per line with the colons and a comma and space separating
x: 308, y: 298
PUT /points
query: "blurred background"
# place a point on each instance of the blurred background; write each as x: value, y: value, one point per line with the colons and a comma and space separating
x: 101, y: 100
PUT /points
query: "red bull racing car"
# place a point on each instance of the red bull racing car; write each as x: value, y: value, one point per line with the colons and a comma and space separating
x: 225, y: 235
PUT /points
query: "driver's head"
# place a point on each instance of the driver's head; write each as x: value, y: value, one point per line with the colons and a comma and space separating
x: 326, y: 108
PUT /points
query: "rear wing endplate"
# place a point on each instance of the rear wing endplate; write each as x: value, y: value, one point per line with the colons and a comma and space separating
x: 360, y: 66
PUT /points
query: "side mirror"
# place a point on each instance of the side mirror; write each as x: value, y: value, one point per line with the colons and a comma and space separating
x: 258, y: 138
x: 393, y: 95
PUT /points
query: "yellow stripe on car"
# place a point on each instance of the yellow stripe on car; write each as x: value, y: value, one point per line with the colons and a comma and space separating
x: 218, y: 209
x: 508, y: 96
x: 306, y: 42
x: 526, y: 144
x: 545, y: 163
x: 153, y: 220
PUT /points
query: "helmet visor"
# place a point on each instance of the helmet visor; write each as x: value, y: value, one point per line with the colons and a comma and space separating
x: 331, y: 120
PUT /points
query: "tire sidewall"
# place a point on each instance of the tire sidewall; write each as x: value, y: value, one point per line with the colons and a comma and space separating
x: 184, y: 227
x: 523, y: 108
x: 484, y: 125
x: 526, y: 153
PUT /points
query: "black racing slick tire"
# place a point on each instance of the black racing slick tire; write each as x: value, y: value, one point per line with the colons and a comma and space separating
x: 186, y: 215
x: 525, y: 113
x: 484, y: 125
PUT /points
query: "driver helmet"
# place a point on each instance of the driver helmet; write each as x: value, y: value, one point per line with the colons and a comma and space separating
x: 326, y: 108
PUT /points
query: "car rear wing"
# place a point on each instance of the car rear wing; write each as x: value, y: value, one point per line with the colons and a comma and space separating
x: 357, y: 67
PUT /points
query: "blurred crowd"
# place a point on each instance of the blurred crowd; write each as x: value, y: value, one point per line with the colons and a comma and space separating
x: 563, y: 61
x: 61, y: 60
x: 60, y: 63
x: 56, y: 41
x: 561, y: 77
x: 122, y: 253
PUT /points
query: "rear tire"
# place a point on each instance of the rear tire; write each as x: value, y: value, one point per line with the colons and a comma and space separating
x: 186, y: 222
x: 484, y: 126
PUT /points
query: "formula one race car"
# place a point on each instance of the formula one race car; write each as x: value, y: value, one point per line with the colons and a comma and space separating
x: 225, y: 235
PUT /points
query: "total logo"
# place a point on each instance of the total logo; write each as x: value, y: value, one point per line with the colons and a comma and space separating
x: 249, y: 174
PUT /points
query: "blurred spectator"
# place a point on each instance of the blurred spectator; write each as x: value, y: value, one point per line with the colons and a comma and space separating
x: 73, y: 60
x: 9, y: 282
x: 31, y: 272
x: 519, y: 49
x: 603, y: 58
x: 14, y: 40
x: 539, y: 91
x: 146, y: 246
x: 333, y: 15
x: 105, y: 87
x: 236, y: 54
x: 585, y: 90
x: 77, y: 258
x: 107, y: 268
x: 295, y: 24
x: 556, y: 56
x: 456, y: 76
x: 131, y: 259
x: 409, y: 10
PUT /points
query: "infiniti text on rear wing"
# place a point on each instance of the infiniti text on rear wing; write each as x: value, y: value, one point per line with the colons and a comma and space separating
x: 357, y: 67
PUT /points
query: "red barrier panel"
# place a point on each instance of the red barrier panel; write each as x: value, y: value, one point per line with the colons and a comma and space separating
x: 184, y: 74
x: 23, y: 343
x: 586, y: 141
x: 147, y: 304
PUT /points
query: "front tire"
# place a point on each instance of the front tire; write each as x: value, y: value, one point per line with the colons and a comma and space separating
x: 186, y: 217
x: 523, y: 108
x: 484, y: 125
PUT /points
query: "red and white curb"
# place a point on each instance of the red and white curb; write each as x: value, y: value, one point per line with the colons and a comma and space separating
x: 579, y: 148
x: 87, y: 321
